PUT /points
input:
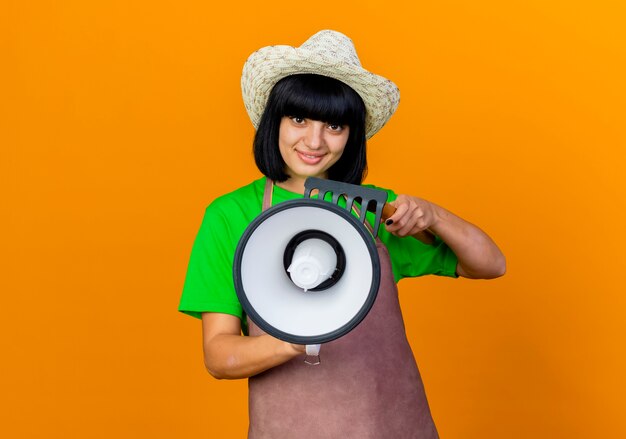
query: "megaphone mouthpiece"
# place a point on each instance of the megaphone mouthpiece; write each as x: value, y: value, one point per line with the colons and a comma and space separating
x: 314, y: 261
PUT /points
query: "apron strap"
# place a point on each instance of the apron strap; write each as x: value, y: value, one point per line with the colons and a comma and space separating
x: 367, y: 224
x: 267, y: 193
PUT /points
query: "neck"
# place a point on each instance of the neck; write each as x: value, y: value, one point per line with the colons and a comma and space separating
x: 292, y: 184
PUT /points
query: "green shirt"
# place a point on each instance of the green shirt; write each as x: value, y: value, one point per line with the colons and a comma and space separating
x: 209, y: 285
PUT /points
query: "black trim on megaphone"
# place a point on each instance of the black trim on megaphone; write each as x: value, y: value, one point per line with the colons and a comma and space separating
x: 295, y: 338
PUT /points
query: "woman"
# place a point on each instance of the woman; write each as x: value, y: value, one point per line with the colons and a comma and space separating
x: 314, y: 107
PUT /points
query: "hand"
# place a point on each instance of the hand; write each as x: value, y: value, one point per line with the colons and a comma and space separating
x: 412, y: 215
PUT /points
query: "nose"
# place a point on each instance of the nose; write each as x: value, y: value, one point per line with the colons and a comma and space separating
x: 314, y: 138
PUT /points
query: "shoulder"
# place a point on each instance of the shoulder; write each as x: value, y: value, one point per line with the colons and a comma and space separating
x: 245, y: 198
x: 227, y: 216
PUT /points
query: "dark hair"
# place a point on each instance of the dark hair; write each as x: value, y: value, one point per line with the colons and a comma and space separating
x: 319, y: 98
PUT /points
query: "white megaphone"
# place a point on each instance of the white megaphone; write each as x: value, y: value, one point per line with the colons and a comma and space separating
x: 307, y: 271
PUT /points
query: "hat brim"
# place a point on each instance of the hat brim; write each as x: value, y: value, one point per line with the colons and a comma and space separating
x: 380, y: 95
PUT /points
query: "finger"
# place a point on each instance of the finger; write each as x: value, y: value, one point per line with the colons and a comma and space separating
x: 404, y: 223
x: 401, y: 209
x: 411, y: 225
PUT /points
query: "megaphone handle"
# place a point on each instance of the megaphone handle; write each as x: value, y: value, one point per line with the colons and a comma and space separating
x: 426, y: 236
x: 312, y: 350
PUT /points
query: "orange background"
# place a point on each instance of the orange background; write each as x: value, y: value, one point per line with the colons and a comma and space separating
x: 120, y: 121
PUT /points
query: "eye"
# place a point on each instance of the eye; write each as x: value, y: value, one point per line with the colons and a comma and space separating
x: 297, y: 119
x: 335, y: 127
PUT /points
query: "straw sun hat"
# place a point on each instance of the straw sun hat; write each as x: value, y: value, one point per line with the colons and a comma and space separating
x: 327, y: 53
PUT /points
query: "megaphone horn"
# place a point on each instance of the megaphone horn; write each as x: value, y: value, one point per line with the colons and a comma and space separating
x: 307, y: 271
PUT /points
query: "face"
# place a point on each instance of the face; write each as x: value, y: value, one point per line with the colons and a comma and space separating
x: 310, y: 147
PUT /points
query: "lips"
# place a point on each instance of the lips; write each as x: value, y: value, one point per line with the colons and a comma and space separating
x: 310, y: 159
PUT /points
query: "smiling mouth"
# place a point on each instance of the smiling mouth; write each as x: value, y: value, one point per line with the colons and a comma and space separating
x: 309, y: 158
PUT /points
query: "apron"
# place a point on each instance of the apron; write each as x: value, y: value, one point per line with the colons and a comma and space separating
x: 366, y: 386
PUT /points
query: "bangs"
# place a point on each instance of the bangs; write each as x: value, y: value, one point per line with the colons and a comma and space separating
x: 319, y: 98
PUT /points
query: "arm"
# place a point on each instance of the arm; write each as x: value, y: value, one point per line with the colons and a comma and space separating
x: 228, y: 355
x: 479, y: 257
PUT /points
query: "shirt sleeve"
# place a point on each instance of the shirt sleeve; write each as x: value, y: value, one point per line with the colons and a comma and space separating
x: 411, y: 258
x: 209, y: 283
